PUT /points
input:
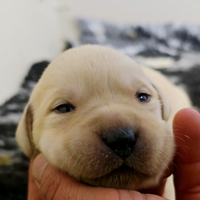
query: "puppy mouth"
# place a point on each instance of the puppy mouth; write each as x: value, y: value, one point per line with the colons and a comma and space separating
x: 123, y: 177
x: 125, y: 169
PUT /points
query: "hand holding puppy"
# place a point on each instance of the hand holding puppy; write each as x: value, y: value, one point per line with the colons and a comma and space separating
x: 49, y: 183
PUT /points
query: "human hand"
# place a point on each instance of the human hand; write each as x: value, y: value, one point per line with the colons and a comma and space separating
x: 49, y: 183
x: 187, y: 159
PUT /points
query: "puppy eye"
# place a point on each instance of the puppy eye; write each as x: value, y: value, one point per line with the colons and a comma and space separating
x: 65, y: 108
x: 143, y: 97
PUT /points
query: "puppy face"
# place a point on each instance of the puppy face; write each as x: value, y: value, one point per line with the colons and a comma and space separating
x: 95, y: 115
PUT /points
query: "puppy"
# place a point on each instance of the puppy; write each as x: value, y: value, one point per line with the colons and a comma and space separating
x: 102, y: 118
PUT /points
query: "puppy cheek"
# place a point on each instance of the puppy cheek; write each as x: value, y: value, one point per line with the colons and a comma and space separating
x: 50, y: 144
x: 160, y: 141
x: 69, y: 150
x: 166, y: 149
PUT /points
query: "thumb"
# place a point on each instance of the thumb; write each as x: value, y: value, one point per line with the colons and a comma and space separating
x: 57, y: 185
x: 186, y: 127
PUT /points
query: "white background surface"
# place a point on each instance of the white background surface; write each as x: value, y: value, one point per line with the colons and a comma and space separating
x: 29, y: 32
x: 137, y: 11
x: 33, y: 30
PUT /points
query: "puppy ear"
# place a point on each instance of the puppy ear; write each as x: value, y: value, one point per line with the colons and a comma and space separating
x: 165, y: 106
x: 24, y: 132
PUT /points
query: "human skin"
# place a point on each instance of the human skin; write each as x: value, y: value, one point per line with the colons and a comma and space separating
x: 49, y: 183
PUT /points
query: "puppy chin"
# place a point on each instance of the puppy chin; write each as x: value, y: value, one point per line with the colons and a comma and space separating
x: 125, y: 178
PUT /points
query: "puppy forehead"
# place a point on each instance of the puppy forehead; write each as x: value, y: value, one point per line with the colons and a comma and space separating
x: 90, y: 69
x: 93, y: 58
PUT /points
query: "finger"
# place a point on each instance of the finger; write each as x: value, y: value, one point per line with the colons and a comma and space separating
x: 33, y: 192
x: 187, y: 159
x: 57, y: 185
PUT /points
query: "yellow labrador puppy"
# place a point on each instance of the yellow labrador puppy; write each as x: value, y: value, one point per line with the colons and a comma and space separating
x: 102, y: 118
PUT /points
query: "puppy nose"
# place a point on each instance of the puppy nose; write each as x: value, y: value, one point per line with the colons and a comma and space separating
x: 121, y: 141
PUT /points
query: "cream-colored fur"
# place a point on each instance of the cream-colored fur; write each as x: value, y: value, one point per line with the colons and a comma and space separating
x: 102, y: 85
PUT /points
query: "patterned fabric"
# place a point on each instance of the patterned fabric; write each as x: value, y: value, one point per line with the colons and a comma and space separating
x: 173, y: 50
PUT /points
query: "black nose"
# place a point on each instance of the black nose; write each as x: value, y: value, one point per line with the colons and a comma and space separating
x: 121, y: 141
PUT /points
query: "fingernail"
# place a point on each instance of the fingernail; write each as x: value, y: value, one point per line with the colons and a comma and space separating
x: 39, y: 165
